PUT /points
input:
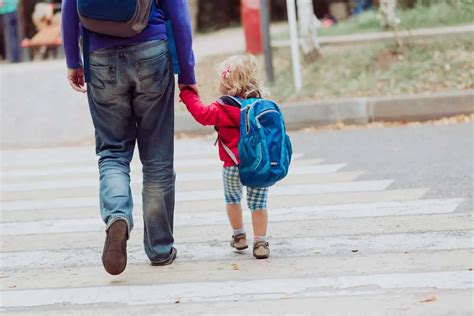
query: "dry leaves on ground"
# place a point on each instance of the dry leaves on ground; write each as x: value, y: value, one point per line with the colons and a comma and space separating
x: 429, y: 300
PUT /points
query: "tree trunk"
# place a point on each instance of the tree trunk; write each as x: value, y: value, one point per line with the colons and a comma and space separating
x: 308, y: 24
x: 193, y: 12
x: 388, y: 15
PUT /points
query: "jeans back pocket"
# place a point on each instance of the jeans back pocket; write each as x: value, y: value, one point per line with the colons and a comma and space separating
x: 153, y: 69
x: 103, y: 85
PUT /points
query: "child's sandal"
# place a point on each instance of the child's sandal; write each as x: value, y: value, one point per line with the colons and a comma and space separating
x: 239, y: 242
x: 261, y: 250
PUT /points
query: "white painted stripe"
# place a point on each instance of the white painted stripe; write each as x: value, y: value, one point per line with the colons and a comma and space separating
x: 193, y: 148
x: 281, y: 248
x: 203, y: 206
x: 288, y: 190
x: 221, y: 270
x: 40, y: 158
x: 181, y: 186
x: 93, y: 181
x: 417, y: 207
x: 193, y: 292
x: 92, y: 169
x: 282, y: 229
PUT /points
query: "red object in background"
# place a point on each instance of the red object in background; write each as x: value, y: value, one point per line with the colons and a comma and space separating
x: 250, y: 14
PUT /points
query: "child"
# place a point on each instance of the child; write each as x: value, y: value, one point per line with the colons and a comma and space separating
x: 239, y: 79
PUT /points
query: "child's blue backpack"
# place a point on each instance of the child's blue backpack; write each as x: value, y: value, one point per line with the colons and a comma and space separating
x: 264, y: 147
x: 119, y: 18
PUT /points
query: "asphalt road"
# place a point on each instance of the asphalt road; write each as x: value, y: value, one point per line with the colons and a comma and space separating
x: 380, y: 216
x: 440, y: 158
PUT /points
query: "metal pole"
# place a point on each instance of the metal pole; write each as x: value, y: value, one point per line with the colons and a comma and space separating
x: 295, y: 53
x: 265, y: 31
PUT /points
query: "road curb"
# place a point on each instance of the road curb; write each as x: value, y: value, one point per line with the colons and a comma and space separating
x: 383, y: 36
x: 361, y: 110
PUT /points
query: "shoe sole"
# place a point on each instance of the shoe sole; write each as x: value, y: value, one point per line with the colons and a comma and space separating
x: 170, y: 260
x: 238, y: 248
x: 115, y: 243
x: 261, y: 257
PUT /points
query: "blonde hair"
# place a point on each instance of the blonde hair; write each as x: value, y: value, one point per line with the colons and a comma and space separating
x: 239, y: 77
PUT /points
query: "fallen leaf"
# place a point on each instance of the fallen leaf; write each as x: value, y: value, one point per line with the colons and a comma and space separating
x: 235, y: 266
x: 429, y: 300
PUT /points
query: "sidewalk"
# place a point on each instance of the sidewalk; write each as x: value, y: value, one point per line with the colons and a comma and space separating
x: 378, y: 36
x: 51, y: 114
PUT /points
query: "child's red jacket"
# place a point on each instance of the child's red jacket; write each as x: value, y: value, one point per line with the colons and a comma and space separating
x: 224, y: 114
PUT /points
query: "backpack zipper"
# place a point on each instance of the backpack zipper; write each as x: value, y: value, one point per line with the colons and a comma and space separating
x: 247, y: 120
x: 261, y: 157
x: 263, y: 113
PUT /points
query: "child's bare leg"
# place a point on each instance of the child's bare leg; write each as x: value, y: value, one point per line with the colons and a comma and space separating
x: 257, y: 202
x: 261, y: 249
x: 239, y: 238
x: 234, y: 212
x: 260, y: 222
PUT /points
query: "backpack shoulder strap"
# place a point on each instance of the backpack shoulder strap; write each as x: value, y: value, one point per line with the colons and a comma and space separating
x: 230, y: 100
x: 228, y: 151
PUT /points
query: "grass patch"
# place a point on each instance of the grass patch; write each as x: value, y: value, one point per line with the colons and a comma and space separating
x: 377, y: 69
x: 435, y: 15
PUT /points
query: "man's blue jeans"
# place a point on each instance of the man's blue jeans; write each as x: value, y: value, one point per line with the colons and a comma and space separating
x: 12, y: 39
x: 131, y: 99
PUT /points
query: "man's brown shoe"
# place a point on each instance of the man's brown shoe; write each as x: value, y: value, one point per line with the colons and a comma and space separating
x: 114, y: 256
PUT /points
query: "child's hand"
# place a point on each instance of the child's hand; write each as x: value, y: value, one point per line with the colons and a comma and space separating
x: 193, y: 87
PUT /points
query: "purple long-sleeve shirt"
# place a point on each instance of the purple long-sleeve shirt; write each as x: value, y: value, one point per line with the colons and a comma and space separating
x: 177, y: 12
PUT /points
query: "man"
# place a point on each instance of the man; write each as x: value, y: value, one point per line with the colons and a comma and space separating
x: 9, y: 24
x: 131, y: 100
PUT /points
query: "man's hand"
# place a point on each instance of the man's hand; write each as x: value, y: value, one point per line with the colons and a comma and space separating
x: 75, y: 77
x: 194, y: 87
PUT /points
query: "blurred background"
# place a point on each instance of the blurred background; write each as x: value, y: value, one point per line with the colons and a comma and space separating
x: 348, y: 48
x: 375, y: 217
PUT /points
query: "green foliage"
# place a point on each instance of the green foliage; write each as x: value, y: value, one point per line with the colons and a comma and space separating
x: 442, y: 13
x: 380, y: 69
x: 439, y: 13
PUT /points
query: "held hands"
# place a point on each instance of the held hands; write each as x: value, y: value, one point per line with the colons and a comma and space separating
x: 193, y: 87
x: 75, y: 77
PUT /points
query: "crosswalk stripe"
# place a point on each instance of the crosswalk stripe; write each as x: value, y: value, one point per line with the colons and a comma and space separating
x: 42, y: 158
x: 436, y: 206
x: 27, y: 185
x: 304, y: 246
x: 382, y: 302
x: 207, y: 195
x: 277, y: 229
x: 214, y: 205
x: 222, y: 270
x: 92, y: 170
x: 181, y: 186
x: 247, y: 290
x: 192, y: 149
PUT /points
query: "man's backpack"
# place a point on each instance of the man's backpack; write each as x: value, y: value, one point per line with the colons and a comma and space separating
x: 264, y: 147
x: 119, y: 18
